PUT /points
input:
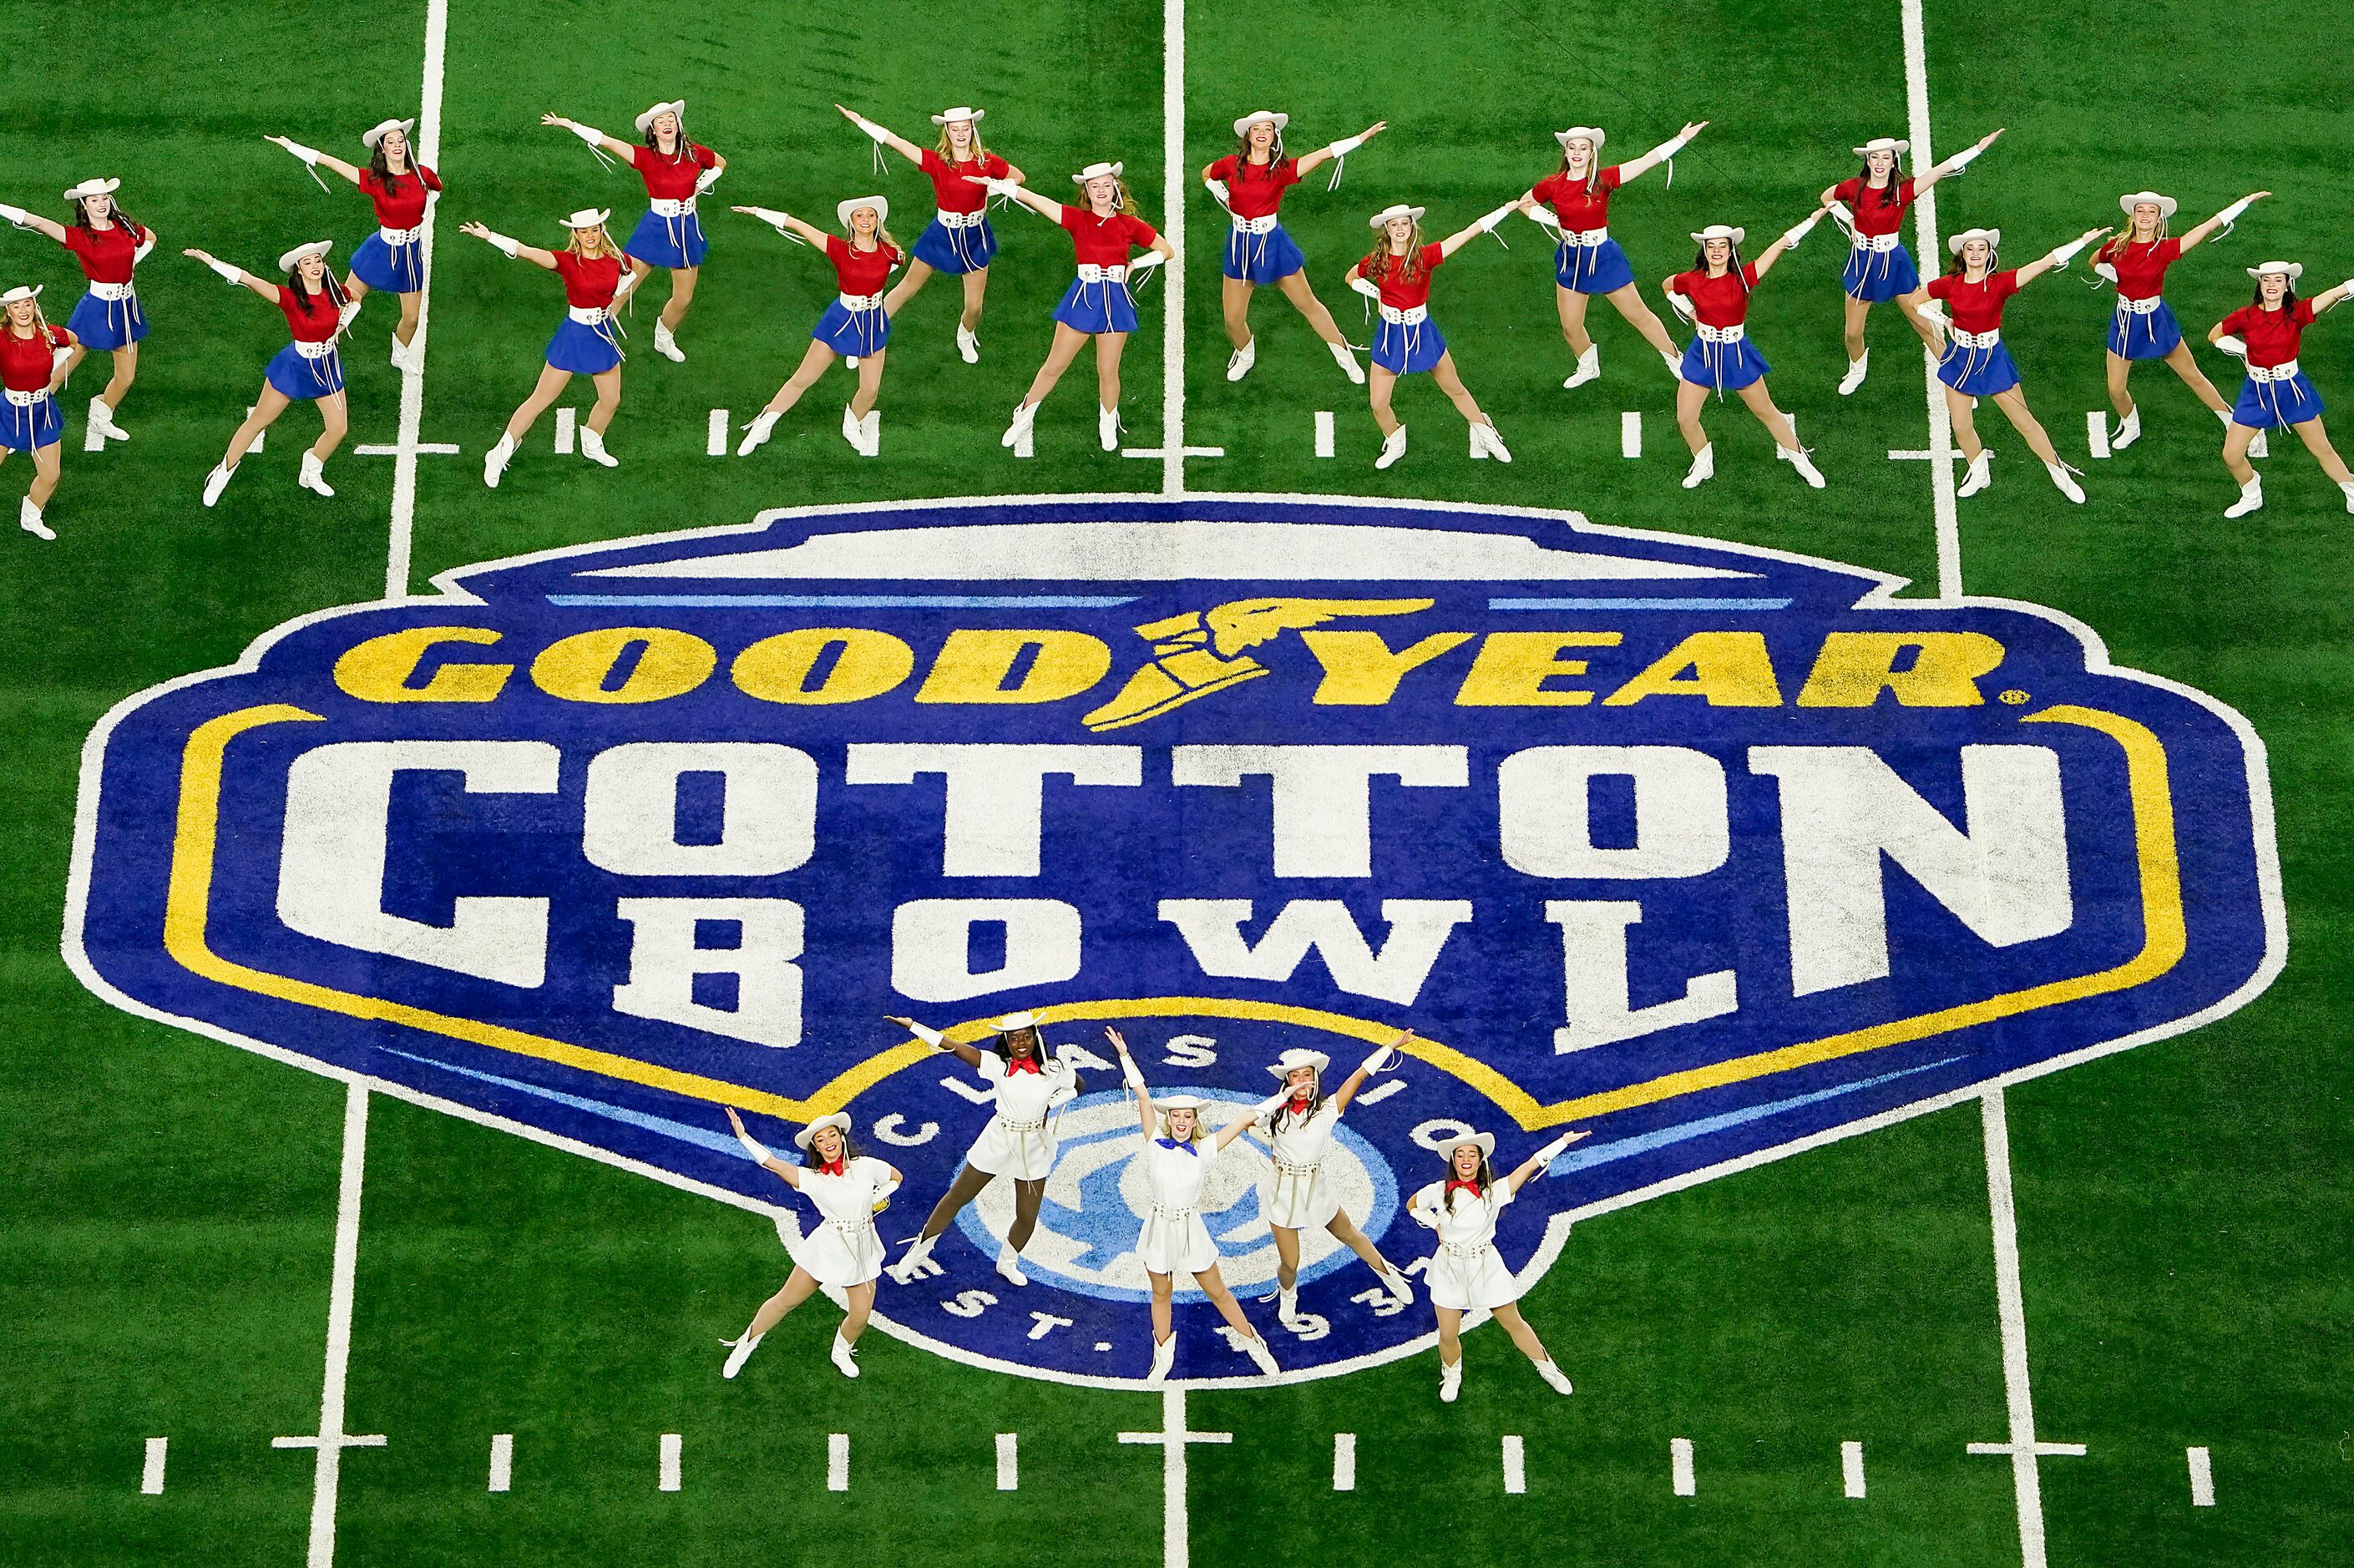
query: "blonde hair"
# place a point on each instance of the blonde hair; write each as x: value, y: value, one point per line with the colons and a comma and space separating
x: 605, y: 246
x: 948, y: 151
x: 1377, y: 267
x: 1199, y: 1130
x: 41, y: 320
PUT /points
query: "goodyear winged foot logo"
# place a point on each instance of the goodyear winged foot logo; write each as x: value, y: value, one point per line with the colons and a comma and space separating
x: 1711, y: 850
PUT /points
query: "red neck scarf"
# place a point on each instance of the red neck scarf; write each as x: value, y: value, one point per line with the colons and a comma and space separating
x: 1471, y: 1187
x: 1024, y: 1065
x: 1300, y: 1103
x: 832, y: 1167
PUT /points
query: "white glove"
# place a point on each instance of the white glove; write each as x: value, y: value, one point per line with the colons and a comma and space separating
x: 1133, y: 1075
x: 1544, y: 217
x: 754, y: 1148
x: 769, y: 216
x: 229, y: 275
x: 1425, y: 1217
x: 1843, y: 218
x: 2232, y: 213
x: 1684, y: 306
x: 1962, y: 160
x: 1377, y: 1061
x: 621, y: 290
x: 1345, y: 145
x: 928, y: 1035
x: 705, y: 180
x: 1218, y: 189
x: 58, y: 358
x: 1488, y: 224
x: 875, y: 133
x: 308, y: 155
x: 15, y: 215
x: 1799, y: 232
x: 1934, y: 314
x: 2236, y: 348
x: 501, y: 244
x: 1371, y: 291
x: 1150, y: 259
x: 2063, y: 254
x: 1552, y: 1152
x: 1270, y: 1106
x: 1672, y: 146
x: 2103, y: 270
x: 344, y: 315
x: 997, y: 187
x: 589, y: 134
x: 146, y: 246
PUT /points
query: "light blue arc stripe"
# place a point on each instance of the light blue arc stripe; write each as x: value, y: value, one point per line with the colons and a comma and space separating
x: 1638, y: 604
x: 839, y: 600
x: 1684, y: 1132
x: 724, y: 1142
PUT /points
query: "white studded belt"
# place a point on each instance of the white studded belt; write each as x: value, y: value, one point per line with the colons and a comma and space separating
x: 1733, y: 333
x: 1412, y: 315
x: 314, y: 350
x: 24, y: 399
x: 2140, y: 307
x: 588, y: 316
x: 2285, y: 371
x: 1091, y: 273
x: 401, y: 235
x: 963, y: 220
x: 1463, y: 1249
x: 1878, y: 241
x: 861, y: 301
x: 661, y: 208
x: 1587, y: 238
x: 1163, y: 1212
x: 1257, y: 224
x: 110, y: 290
x: 1299, y: 1172
x: 1009, y: 1125
x: 1975, y: 339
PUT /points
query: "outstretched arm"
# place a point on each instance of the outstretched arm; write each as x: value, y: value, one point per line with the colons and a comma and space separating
x: 787, y: 223
x: 38, y: 225
x: 2229, y: 215
x: 1235, y: 1128
x: 267, y: 288
x: 2328, y: 297
x: 2059, y: 255
x: 1128, y: 1070
x: 594, y: 137
x: 1045, y: 206
x: 1541, y: 1158
x: 969, y: 1055
x: 313, y: 157
x: 1789, y: 242
x: 513, y: 249
x: 1637, y: 168
x: 1366, y: 1069
x: 791, y: 1174
x: 1462, y: 237
x: 882, y: 137
x: 1955, y: 164
x: 1341, y: 149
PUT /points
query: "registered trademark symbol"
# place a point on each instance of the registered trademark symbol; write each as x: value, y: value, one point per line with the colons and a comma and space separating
x: 2014, y: 696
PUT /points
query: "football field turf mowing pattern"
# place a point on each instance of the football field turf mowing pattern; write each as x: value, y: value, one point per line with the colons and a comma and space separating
x: 170, y: 1214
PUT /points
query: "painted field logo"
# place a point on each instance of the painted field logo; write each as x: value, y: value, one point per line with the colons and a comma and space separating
x: 1711, y: 850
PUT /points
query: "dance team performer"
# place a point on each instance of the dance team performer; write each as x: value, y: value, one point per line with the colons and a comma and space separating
x: 1720, y: 358
x: 108, y: 244
x: 393, y: 257
x: 1395, y: 279
x: 1294, y: 1192
x: 35, y: 359
x: 1249, y: 183
x: 2265, y: 335
x: 1466, y: 1274
x: 676, y: 171
x: 843, y: 1251
x: 1575, y: 202
x: 307, y: 370
x: 959, y: 240
x: 586, y: 342
x: 856, y: 327
x: 1870, y: 207
x: 2135, y: 260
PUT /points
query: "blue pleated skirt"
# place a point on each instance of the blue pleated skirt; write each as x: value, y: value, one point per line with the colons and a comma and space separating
x: 1591, y: 269
x: 1096, y: 307
x: 1404, y: 349
x: 2153, y: 336
x: 305, y: 379
x: 848, y: 331
x: 1261, y: 259
x: 955, y: 251
x: 660, y: 241
x: 1879, y: 276
x: 2264, y: 404
x: 99, y: 324
x: 394, y: 269
x: 30, y: 429
x: 1978, y: 372
x: 582, y: 349
x: 1723, y: 366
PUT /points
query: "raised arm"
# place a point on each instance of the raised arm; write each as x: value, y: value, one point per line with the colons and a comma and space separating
x: 2059, y: 255
x: 1128, y: 1070
x: 2223, y: 219
x: 1789, y: 242
x: 786, y: 224
x: 1541, y: 1158
x: 1366, y: 1069
x: 513, y: 249
x: 37, y: 224
x: 1341, y: 149
x: 1235, y: 1128
x: 313, y: 158
x: 594, y: 137
x: 1462, y: 237
x: 882, y: 137
x: 1045, y: 206
x: 966, y: 1054
x: 2328, y: 297
x: 267, y: 288
x: 1955, y: 164
x: 1636, y: 168
x: 790, y: 1174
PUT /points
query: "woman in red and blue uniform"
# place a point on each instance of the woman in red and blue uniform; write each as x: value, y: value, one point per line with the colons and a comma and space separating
x: 1720, y: 359
x: 959, y: 240
x: 1976, y: 365
x: 34, y: 359
x: 1574, y: 201
x: 1395, y: 279
x: 2266, y: 333
x: 2144, y: 327
x: 1104, y: 232
x: 856, y: 326
x: 587, y: 343
x: 1872, y: 208
x: 1249, y: 183
x: 309, y: 369
x: 676, y: 171
x: 393, y: 257
x: 108, y: 244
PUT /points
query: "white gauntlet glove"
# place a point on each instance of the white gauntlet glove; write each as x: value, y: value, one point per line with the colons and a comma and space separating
x: 2063, y: 254
x: 1934, y: 314
x: 705, y: 180
x: 589, y: 134
x: 754, y: 1148
x: 1345, y: 145
x: 875, y: 133
x: 146, y: 246
x: 229, y: 275
x: 1684, y: 306
x: 2233, y: 214
x: 1145, y: 262
x: 1843, y: 218
x: 2231, y: 345
x: 308, y: 155
x: 1962, y: 160
x: 501, y: 244
x: 1367, y: 288
x: 15, y: 215
x: 928, y: 1035
x: 1217, y: 189
x: 1488, y: 224
x: 1799, y: 232
x: 1270, y: 1106
x: 2103, y: 270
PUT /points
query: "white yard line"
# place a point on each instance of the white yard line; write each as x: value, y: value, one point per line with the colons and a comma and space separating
x: 502, y: 1462
x: 151, y: 1472
x: 1009, y: 1462
x: 1344, y: 1461
x: 1176, y: 1544
x: 2202, y: 1477
x: 667, y: 1454
x: 837, y: 1462
x: 1928, y: 248
x: 1680, y: 1467
x: 1630, y: 434
x: 1516, y: 1467
x: 412, y: 382
x: 1172, y: 276
x: 1851, y: 1468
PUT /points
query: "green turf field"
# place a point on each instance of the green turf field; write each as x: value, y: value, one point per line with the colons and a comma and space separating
x: 168, y: 1221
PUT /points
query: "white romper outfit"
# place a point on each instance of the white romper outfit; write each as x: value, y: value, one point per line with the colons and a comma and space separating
x: 844, y: 1249
x: 1174, y: 1240
x: 1294, y: 1192
x: 1019, y: 1140
x: 1465, y: 1270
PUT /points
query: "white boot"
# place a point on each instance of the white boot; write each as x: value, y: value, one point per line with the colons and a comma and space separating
x: 29, y: 518
x: 1450, y: 1381
x: 2128, y: 432
x: 667, y: 345
x: 1978, y: 475
x: 1009, y: 1265
x: 1675, y: 363
x: 1261, y: 1357
x: 849, y: 431
x: 592, y: 447
x: 495, y: 460
x: 1589, y: 366
x: 905, y: 1269
x: 841, y: 1356
x: 757, y: 433
x: 101, y: 420
x: 1484, y: 435
x: 850, y: 362
x: 1799, y: 458
x: 2063, y: 477
x: 1287, y: 1304
x: 1857, y: 369
x: 870, y: 433
x: 1108, y: 429
x: 1239, y: 363
x: 1392, y: 448
x: 1401, y: 1288
x: 1347, y: 360
x: 1024, y: 416
x: 313, y: 475
x: 2257, y: 446
x: 217, y: 482
x: 1554, y: 1376
x: 739, y: 1352
x: 2348, y: 486
x: 2252, y: 498
x: 968, y: 344
x: 1703, y: 467
x: 1164, y: 1356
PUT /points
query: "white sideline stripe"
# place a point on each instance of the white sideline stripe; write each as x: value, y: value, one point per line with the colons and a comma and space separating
x: 151, y: 1473
x: 714, y: 440
x: 2096, y: 432
x: 1948, y: 457
x: 1176, y: 1546
x: 837, y: 1462
x: 422, y: 448
x: 1158, y: 453
x: 427, y: 147
x: 1323, y: 432
x: 1516, y: 1469
x: 1680, y: 1466
x: 502, y: 1461
x: 1009, y: 1462
x: 1630, y: 434
x: 1172, y: 276
x: 667, y: 1479
x: 260, y: 436
x: 1344, y: 1461
x: 1924, y: 219
x: 1852, y: 1467
x: 2202, y: 1475
x: 564, y: 418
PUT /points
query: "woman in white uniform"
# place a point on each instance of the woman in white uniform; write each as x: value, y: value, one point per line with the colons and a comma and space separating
x: 847, y: 1189
x: 1176, y: 1155
x: 1018, y: 1143
x: 1466, y: 1274
x: 1294, y: 1194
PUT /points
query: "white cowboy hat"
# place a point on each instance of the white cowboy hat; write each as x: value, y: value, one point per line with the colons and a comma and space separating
x: 1178, y: 1102
x: 1015, y: 1022
x: 675, y: 106
x: 1241, y: 126
x: 2166, y: 204
x: 376, y: 133
x: 971, y: 116
x: 2291, y: 271
x: 808, y: 1135
x: 1719, y: 231
x: 20, y: 294
x: 843, y: 209
x: 587, y: 218
x: 1097, y: 172
x: 1580, y: 133
x: 1395, y: 209
x: 1292, y: 1061
x: 316, y: 248
x: 1485, y: 1140
x: 1993, y: 236
x: 93, y: 188
x: 1884, y: 144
